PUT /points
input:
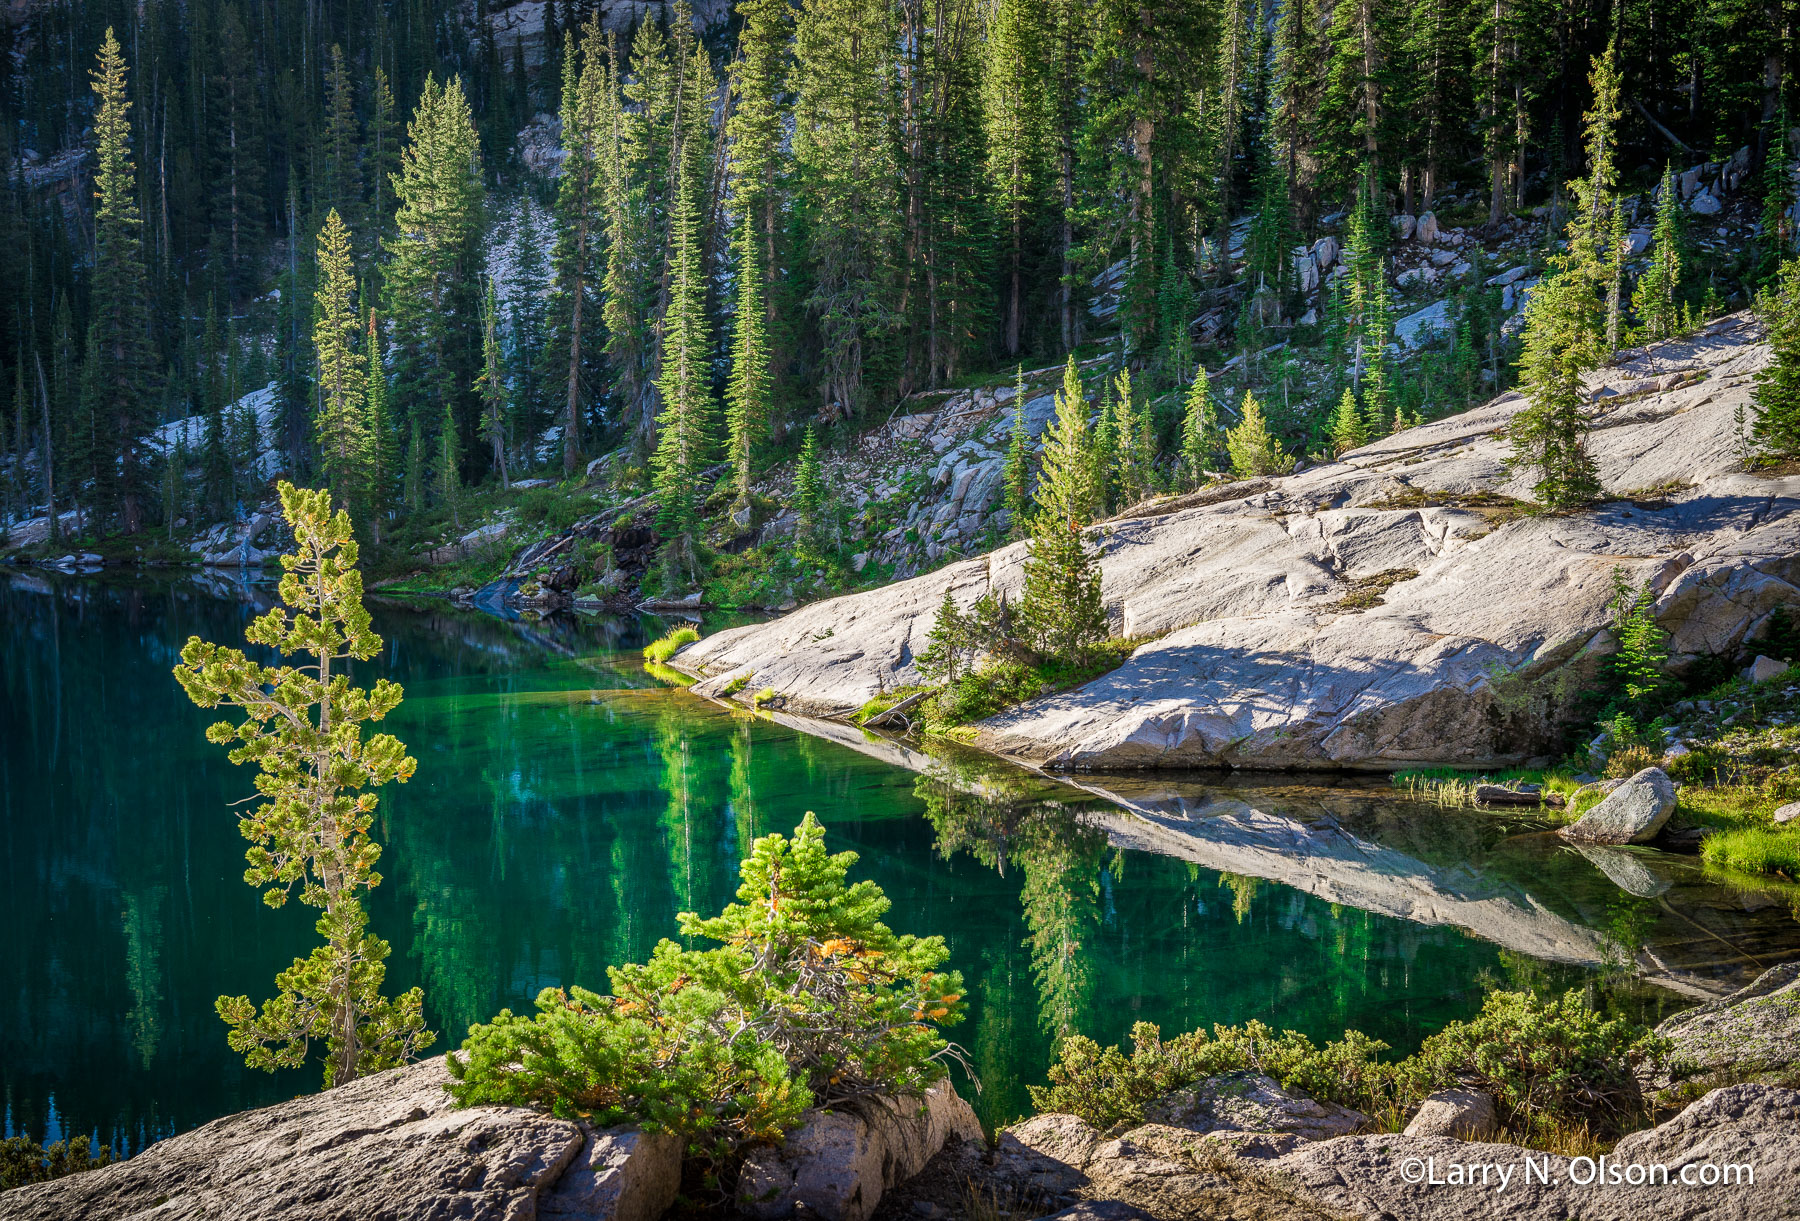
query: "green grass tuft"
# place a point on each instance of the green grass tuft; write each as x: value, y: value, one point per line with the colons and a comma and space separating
x: 660, y: 650
x: 1755, y: 850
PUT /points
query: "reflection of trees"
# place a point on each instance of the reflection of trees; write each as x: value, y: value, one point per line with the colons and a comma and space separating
x: 1058, y: 860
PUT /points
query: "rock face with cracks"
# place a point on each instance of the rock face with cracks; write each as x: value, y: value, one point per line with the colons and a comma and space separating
x: 390, y: 1145
x: 837, y: 1166
x: 1394, y: 608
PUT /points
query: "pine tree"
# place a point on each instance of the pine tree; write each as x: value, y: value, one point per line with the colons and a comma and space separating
x: 119, y: 367
x: 809, y: 494
x: 946, y: 643
x: 491, y: 385
x: 1253, y: 448
x: 1549, y: 434
x: 747, y: 391
x: 218, y: 479
x: 1350, y: 118
x: 384, y: 465
x: 576, y: 264
x: 1133, y: 449
x: 1017, y: 476
x: 432, y: 275
x: 236, y: 112
x: 341, y: 423
x: 1566, y: 324
x: 1655, y: 299
x: 303, y: 727
x: 1348, y: 430
x: 685, y: 425
x: 339, y: 186
x: 526, y: 335
x: 446, y: 470
x: 1013, y: 100
x: 1201, y: 437
x: 1061, y: 609
x: 848, y: 186
x: 1777, y: 426
x: 381, y: 155
x: 753, y: 141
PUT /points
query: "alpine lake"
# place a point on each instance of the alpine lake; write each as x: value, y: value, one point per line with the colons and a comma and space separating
x: 567, y: 805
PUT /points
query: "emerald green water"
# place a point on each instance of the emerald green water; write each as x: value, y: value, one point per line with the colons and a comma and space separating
x: 564, y: 809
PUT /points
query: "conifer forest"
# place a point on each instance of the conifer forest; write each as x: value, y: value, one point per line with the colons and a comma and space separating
x: 417, y: 251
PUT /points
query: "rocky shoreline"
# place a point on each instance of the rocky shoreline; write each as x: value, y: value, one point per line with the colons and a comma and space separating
x: 392, y: 1146
x: 1399, y: 607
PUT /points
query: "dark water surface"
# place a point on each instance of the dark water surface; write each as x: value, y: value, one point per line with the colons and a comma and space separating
x: 566, y: 807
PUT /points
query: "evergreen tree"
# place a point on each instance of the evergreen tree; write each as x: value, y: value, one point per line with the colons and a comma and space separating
x: 341, y: 423
x: 1201, y: 437
x: 1549, y: 434
x: 1777, y: 426
x: 218, y: 479
x: 1655, y: 299
x: 747, y: 392
x: 848, y: 188
x: 491, y: 385
x: 685, y: 425
x: 1348, y: 430
x: 432, y: 275
x: 1013, y: 99
x: 1017, y: 477
x: 809, y: 494
x: 1565, y: 321
x: 1350, y: 120
x: 753, y: 141
x: 303, y: 727
x: 119, y: 367
x: 1061, y: 609
x: 1134, y: 444
x: 946, y: 643
x: 384, y: 465
x: 446, y: 472
x: 576, y: 264
x: 339, y: 185
x: 527, y: 336
x: 1253, y: 448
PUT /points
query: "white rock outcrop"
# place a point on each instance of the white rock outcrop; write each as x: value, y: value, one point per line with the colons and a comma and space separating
x: 1388, y: 609
x: 390, y: 1145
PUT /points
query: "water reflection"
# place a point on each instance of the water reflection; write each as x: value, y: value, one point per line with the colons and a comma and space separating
x: 565, y: 808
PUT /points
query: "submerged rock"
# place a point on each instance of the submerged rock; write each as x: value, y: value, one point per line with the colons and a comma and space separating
x: 1633, y: 813
x: 390, y: 1145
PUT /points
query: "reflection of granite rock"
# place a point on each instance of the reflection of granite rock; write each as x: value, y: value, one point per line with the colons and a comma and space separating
x: 1629, y: 873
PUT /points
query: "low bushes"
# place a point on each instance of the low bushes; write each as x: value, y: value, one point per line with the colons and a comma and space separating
x: 807, y: 999
x: 1553, y: 1065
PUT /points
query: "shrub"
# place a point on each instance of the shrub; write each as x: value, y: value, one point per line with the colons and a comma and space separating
x: 665, y: 646
x: 1550, y: 1064
x: 23, y: 1160
x: 808, y: 999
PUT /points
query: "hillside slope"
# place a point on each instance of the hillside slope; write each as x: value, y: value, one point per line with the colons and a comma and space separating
x: 1396, y: 607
